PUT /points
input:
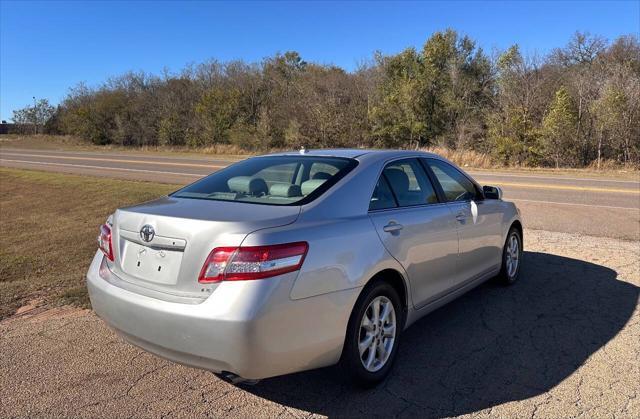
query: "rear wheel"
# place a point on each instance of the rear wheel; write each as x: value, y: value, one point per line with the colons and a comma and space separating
x: 373, y: 334
x: 511, y: 258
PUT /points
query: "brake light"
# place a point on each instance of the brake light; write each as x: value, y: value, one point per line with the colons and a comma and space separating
x: 252, y: 262
x: 105, y: 241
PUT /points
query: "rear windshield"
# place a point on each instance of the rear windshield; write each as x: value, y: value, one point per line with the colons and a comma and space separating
x: 277, y: 180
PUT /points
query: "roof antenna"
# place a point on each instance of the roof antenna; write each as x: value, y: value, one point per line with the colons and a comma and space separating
x: 303, y: 150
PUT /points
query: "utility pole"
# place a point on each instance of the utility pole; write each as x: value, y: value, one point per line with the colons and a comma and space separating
x: 35, y: 116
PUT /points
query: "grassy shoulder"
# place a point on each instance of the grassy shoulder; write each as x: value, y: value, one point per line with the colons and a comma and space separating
x: 48, y: 228
x: 68, y: 143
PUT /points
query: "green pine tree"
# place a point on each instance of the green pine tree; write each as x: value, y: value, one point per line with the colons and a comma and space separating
x: 559, y: 127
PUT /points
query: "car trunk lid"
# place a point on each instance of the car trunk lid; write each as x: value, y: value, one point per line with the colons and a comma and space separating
x: 162, y: 245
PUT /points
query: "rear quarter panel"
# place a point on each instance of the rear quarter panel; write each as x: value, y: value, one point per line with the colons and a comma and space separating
x: 343, y: 254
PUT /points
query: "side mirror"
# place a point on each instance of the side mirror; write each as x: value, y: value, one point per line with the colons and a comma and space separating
x: 492, y: 192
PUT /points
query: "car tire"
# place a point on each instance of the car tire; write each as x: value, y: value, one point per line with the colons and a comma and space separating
x: 511, y: 258
x: 380, y: 354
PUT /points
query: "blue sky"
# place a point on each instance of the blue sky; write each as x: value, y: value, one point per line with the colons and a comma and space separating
x: 47, y: 47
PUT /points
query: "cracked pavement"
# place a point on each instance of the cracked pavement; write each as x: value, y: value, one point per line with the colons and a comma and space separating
x: 563, y: 342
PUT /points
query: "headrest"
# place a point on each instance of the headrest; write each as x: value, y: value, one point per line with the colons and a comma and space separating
x: 321, y: 175
x: 398, y: 179
x: 284, y: 190
x: 248, y: 185
x: 311, y: 185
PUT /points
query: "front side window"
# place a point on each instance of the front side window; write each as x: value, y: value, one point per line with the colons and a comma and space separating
x: 277, y: 180
x: 455, y: 185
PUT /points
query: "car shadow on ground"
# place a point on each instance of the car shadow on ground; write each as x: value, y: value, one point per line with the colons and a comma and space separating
x: 493, y: 345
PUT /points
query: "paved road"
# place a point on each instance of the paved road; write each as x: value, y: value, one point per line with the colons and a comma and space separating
x: 563, y: 342
x: 597, y: 206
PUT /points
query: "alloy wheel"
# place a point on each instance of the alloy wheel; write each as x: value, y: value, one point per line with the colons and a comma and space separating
x: 377, y: 333
x: 513, y: 256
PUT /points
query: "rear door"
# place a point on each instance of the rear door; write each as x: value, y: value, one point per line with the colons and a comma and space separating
x: 416, y: 229
x: 478, y: 221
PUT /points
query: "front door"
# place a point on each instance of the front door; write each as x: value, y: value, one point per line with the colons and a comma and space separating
x: 478, y: 221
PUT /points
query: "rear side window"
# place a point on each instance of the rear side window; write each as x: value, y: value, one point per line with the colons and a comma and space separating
x: 403, y: 183
x: 409, y: 183
x: 277, y: 180
x: 455, y: 185
x: 382, y: 197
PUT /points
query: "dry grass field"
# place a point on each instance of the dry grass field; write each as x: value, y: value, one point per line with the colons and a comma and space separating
x: 48, y: 226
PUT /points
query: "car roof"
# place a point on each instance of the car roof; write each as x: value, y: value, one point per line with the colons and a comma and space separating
x: 353, y: 153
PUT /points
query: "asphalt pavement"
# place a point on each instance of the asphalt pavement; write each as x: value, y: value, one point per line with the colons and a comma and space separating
x: 564, y: 342
x: 589, y: 204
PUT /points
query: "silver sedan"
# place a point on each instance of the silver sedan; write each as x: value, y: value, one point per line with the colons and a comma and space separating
x: 293, y: 261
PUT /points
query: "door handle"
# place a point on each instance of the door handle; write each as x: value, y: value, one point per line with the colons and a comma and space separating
x: 392, y: 226
x: 461, y: 217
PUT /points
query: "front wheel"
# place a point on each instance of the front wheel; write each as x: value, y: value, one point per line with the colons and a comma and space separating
x: 511, y: 258
x: 373, y: 334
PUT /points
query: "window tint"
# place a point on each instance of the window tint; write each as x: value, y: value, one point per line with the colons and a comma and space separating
x: 456, y: 186
x: 382, y: 197
x: 277, y: 180
x: 409, y: 183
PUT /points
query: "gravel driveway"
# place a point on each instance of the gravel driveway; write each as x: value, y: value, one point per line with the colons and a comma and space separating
x: 565, y: 341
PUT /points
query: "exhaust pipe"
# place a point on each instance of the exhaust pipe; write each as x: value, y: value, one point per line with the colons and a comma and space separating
x: 235, y: 379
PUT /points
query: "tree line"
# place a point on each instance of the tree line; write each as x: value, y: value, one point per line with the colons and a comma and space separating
x: 577, y: 106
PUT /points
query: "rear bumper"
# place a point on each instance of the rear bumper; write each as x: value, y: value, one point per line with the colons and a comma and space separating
x: 250, y: 328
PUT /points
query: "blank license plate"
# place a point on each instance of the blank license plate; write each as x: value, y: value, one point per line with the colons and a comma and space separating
x: 153, y: 265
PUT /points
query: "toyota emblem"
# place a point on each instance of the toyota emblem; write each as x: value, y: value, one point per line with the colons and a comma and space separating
x: 147, y: 233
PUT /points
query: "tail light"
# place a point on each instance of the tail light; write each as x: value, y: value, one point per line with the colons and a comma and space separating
x: 105, y: 242
x: 104, y: 271
x: 252, y: 262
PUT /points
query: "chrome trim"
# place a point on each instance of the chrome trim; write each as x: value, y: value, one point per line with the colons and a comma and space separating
x: 158, y: 242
